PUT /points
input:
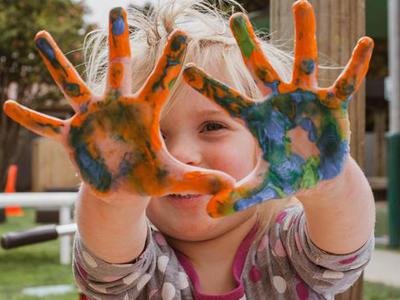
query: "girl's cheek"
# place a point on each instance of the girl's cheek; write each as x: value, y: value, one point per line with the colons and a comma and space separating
x: 233, y: 159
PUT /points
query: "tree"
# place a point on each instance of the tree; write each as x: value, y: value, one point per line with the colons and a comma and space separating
x: 22, y: 72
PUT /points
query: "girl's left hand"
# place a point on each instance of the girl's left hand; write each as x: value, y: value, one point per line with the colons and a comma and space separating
x: 303, y: 130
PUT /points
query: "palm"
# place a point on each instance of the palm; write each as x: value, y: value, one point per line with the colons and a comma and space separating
x: 108, y: 147
x: 114, y: 139
x: 302, y: 129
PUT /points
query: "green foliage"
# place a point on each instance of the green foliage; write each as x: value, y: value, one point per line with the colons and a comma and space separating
x: 20, y: 20
x: 20, y: 64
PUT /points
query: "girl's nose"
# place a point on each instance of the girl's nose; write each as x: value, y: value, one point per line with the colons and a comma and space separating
x: 184, y: 150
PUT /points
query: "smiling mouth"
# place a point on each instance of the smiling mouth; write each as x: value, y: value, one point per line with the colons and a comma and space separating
x: 184, y: 196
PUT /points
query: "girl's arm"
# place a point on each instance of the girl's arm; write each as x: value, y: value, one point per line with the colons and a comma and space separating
x: 340, y: 212
x: 113, y: 231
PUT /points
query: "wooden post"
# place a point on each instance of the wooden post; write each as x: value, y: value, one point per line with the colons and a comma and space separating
x: 340, y: 23
x: 394, y: 126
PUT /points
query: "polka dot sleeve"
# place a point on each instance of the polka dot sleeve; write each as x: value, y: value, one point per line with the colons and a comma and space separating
x: 155, y: 274
x: 99, y: 279
x: 324, y: 272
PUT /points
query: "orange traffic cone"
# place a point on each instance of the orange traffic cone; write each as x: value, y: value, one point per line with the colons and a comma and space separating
x: 12, y: 211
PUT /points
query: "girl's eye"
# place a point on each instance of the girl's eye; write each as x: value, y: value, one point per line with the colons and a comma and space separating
x: 212, y: 126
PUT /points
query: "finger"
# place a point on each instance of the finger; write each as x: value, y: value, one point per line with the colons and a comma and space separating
x: 167, y: 175
x: 62, y: 71
x: 119, y: 51
x: 230, y: 99
x: 159, y: 84
x: 352, y: 76
x: 39, y: 123
x: 306, y: 52
x: 247, y: 192
x: 252, y: 52
x: 228, y: 202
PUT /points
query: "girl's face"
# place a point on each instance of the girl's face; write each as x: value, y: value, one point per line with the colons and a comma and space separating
x: 198, y: 132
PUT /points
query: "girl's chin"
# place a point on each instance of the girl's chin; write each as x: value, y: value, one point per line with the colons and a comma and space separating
x: 191, y: 230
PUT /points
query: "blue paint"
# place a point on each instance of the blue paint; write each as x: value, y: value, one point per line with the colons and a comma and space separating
x: 332, y: 165
x: 345, y: 88
x: 93, y: 171
x: 308, y: 125
x: 178, y: 45
x: 307, y: 66
x: 267, y: 193
x: 84, y: 107
x: 269, y: 122
x: 47, y: 50
x: 126, y: 164
x: 178, y: 42
x: 118, y: 22
x: 72, y: 89
x: 273, y: 86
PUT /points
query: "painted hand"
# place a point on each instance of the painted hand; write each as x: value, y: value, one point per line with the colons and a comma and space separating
x: 114, y: 140
x: 302, y: 129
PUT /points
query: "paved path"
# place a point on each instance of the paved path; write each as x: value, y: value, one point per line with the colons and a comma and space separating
x: 384, y: 267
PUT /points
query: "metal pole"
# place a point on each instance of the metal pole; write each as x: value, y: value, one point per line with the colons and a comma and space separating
x: 394, y: 125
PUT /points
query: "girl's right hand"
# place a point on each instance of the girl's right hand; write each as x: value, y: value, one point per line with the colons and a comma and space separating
x: 114, y: 140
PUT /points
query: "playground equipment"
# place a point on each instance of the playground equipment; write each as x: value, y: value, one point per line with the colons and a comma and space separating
x: 61, y: 201
x: 38, y: 235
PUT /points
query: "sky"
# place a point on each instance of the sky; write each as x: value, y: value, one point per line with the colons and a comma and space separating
x: 100, y: 9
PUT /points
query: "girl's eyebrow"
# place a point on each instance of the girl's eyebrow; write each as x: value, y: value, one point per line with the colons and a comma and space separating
x: 210, y: 112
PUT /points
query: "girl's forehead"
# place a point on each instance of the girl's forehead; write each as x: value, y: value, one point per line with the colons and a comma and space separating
x: 187, y: 97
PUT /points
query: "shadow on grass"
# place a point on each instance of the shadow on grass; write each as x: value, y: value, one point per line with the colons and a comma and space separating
x: 31, y: 266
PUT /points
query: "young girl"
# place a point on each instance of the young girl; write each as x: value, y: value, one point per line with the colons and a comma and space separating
x: 144, y: 232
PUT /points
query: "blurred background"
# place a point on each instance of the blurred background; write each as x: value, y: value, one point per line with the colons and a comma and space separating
x: 41, y: 165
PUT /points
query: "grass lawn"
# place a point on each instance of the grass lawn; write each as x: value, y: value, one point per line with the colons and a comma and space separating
x: 31, y: 266
x: 38, y: 265
x: 377, y: 291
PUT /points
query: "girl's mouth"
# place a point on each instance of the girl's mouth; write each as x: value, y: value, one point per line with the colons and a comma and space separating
x: 187, y: 201
x: 184, y: 196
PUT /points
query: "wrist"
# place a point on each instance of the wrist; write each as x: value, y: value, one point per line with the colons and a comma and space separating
x: 113, y: 200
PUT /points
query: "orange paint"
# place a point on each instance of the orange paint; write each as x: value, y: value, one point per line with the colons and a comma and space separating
x: 116, y: 74
x: 119, y: 44
x: 126, y: 125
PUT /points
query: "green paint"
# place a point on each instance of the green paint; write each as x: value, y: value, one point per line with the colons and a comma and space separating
x: 72, y: 89
x: 55, y: 129
x: 310, y: 173
x: 223, y: 209
x: 241, y: 32
x: 171, y: 83
x: 285, y: 105
x: 288, y: 145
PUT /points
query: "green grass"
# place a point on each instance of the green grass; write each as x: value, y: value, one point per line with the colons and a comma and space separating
x: 377, y: 291
x: 31, y: 266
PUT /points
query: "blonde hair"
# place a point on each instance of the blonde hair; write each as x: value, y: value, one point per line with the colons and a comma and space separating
x: 210, y: 43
